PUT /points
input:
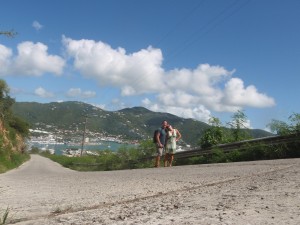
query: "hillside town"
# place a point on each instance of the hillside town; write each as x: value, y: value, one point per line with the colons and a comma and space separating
x: 71, y: 143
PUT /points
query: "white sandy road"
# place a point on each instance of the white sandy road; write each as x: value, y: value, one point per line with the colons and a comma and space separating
x: 260, y: 192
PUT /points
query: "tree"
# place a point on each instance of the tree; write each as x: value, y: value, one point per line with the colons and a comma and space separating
x: 213, y: 135
x: 21, y: 126
x: 6, y: 115
x: 4, y: 90
x: 295, y: 122
x: 238, y: 126
x: 5, y: 100
x: 279, y: 127
x: 283, y: 128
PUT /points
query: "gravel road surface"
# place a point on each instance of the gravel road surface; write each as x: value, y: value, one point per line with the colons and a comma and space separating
x: 42, y: 192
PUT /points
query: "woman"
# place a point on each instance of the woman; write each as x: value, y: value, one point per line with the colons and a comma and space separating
x: 173, y: 135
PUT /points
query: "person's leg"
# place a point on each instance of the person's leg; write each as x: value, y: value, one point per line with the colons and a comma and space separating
x: 157, y: 159
x: 171, y: 158
x: 166, y: 159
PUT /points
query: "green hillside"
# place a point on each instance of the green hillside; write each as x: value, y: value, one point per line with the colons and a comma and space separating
x: 135, y: 123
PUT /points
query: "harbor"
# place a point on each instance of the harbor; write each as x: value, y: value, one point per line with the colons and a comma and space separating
x: 75, y: 148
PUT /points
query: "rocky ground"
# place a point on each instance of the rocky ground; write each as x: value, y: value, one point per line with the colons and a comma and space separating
x: 260, y: 192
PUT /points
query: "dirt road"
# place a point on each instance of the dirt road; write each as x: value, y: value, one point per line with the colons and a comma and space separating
x: 261, y: 192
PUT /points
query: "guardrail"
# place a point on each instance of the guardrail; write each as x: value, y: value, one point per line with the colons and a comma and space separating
x: 284, y: 139
x: 293, y: 138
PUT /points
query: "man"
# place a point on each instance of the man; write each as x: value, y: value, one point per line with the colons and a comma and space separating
x: 161, y: 135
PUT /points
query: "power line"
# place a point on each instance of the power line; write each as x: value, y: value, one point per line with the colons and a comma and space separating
x: 210, y: 25
x: 187, y: 15
x: 184, y: 18
x: 206, y: 28
x: 221, y: 17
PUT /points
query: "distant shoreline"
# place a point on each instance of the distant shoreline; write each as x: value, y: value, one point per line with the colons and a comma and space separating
x: 59, y: 147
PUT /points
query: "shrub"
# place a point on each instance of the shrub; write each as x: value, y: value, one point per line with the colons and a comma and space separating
x: 10, y: 159
x: 234, y: 156
x: 218, y: 156
x: 34, y: 150
x: 19, y: 125
x: 276, y: 151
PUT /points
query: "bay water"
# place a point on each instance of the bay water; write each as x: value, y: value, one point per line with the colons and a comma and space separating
x: 104, y: 145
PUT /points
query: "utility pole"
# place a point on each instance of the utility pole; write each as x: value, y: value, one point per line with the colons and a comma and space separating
x: 83, y: 136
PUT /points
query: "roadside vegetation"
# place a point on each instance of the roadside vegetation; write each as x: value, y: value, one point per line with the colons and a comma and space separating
x: 4, y: 216
x: 130, y: 158
x: 13, y: 131
x: 123, y: 158
x: 217, y: 134
x: 247, y: 152
x: 10, y: 159
x: 143, y: 155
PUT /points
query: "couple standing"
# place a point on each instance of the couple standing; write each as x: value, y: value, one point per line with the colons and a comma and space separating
x: 166, y: 138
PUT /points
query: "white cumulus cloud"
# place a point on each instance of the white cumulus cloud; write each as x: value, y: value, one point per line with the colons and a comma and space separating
x: 5, y: 59
x: 236, y: 94
x: 41, y: 92
x: 183, y: 92
x: 36, y: 25
x: 199, y: 113
x: 32, y: 60
x: 187, y: 92
x: 78, y: 93
x: 134, y: 73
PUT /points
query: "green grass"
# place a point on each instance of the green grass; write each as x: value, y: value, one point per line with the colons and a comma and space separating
x: 10, y: 160
x: 75, y: 163
x: 4, y: 216
x: 141, y: 157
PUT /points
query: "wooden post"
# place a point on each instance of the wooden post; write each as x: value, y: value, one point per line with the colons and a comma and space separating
x: 83, y: 136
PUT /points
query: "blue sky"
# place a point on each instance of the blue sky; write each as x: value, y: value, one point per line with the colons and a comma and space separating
x: 194, y: 59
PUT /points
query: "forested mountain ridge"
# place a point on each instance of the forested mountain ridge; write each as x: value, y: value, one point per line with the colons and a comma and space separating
x: 135, y: 123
